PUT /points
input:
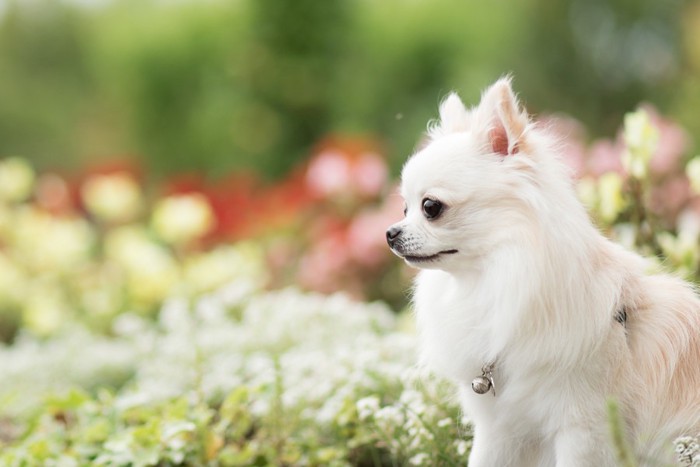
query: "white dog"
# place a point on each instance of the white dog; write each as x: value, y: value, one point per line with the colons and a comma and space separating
x: 534, y: 314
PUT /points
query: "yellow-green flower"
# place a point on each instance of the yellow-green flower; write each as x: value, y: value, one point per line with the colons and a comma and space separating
x: 641, y: 138
x: 681, y: 250
x: 112, y: 198
x: 13, y: 281
x: 208, y: 271
x: 587, y: 192
x: 610, y: 196
x: 46, y: 308
x: 182, y: 218
x: 151, y: 270
x: 692, y: 170
x: 48, y: 243
x: 16, y: 179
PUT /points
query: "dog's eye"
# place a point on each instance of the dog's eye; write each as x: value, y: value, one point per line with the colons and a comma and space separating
x: 431, y: 208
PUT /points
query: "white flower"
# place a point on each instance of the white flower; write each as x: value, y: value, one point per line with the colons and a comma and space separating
x: 312, y: 353
x: 462, y: 447
x: 444, y: 422
x: 389, y: 418
x: 113, y: 198
x: 688, y: 450
x: 175, y: 315
x: 367, y: 406
x: 182, y: 218
x: 419, y: 459
x: 16, y: 179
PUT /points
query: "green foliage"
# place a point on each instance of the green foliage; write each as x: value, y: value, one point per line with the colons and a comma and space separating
x: 622, y: 450
x: 255, y: 84
x: 234, y: 383
x: 295, y: 49
x: 172, y: 74
x: 44, y: 80
x: 597, y: 59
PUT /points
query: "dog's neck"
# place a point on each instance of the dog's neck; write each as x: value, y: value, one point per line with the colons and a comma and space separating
x: 526, y: 294
x: 485, y: 382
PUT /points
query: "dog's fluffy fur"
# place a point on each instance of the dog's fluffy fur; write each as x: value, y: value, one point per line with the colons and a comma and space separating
x: 535, y: 287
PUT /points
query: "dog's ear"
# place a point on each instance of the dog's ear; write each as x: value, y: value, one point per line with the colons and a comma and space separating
x: 501, y: 119
x: 453, y: 113
x: 454, y: 116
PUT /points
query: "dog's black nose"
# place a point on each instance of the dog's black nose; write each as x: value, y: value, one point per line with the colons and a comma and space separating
x: 392, y: 234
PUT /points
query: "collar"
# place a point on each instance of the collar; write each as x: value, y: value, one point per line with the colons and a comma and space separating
x: 621, y: 316
x: 484, y: 383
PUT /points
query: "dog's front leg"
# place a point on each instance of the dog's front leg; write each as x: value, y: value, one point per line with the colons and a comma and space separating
x: 582, y: 446
x: 497, y: 446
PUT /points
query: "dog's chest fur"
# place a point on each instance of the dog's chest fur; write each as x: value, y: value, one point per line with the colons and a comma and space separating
x: 455, y: 329
x: 461, y: 329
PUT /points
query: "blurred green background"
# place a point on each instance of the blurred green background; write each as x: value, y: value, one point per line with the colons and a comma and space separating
x: 213, y: 86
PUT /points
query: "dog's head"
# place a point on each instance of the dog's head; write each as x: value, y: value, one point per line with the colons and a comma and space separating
x: 472, y: 187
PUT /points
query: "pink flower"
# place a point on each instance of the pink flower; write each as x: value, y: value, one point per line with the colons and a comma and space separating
x: 321, y: 268
x: 347, y: 169
x: 605, y: 156
x: 670, y: 196
x: 329, y: 173
x: 673, y: 143
x: 370, y: 174
x: 367, y: 232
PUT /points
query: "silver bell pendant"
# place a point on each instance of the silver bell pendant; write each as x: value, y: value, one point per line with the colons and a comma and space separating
x: 481, y: 385
x: 484, y: 383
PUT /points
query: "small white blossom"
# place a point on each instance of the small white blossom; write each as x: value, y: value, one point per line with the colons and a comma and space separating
x: 462, y: 447
x: 419, y: 459
x: 389, y: 418
x: 367, y: 406
x: 445, y: 422
x: 688, y: 450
